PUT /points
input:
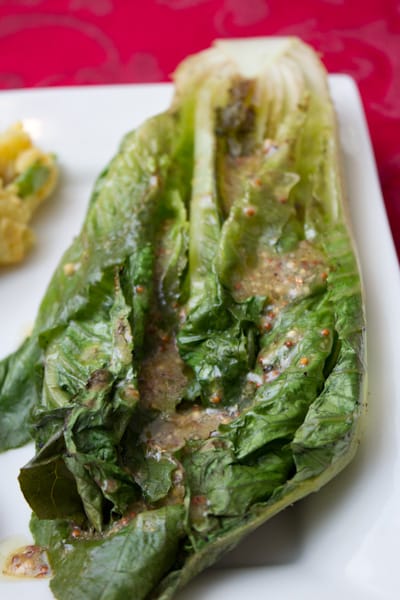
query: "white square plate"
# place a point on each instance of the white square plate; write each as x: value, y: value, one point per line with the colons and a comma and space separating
x: 343, y: 542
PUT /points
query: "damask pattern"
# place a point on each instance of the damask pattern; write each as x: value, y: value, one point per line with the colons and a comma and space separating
x: 83, y: 42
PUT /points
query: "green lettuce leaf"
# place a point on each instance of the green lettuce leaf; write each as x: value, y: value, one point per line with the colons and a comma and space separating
x: 129, y: 562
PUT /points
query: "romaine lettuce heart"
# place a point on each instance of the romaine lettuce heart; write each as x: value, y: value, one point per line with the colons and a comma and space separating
x: 198, y: 360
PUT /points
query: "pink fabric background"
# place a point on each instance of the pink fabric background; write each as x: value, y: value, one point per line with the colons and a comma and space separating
x: 81, y: 42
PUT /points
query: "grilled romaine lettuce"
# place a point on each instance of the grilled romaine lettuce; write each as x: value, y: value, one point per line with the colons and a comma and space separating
x: 198, y: 360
